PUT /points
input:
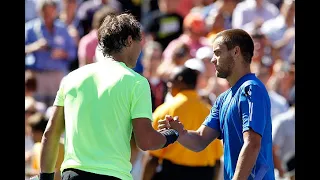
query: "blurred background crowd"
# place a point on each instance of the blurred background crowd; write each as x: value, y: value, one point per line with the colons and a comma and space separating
x: 61, y: 36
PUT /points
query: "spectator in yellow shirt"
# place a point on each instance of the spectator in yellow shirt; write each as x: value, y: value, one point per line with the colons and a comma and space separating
x: 175, y: 161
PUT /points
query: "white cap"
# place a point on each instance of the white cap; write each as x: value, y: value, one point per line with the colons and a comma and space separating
x: 195, y: 64
x: 204, y: 52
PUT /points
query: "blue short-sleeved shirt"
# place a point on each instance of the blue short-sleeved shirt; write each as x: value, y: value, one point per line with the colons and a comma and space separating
x: 243, y: 106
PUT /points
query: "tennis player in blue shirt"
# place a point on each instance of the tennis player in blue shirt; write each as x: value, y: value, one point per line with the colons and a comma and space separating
x: 240, y: 116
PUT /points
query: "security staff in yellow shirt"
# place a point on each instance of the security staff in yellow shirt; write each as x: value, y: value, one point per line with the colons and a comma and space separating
x: 175, y: 161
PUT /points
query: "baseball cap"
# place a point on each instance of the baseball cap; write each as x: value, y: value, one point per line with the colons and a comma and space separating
x: 204, y: 52
x: 195, y: 64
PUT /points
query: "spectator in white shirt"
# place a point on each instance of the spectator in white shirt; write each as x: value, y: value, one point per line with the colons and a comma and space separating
x: 279, y: 104
x: 283, y: 135
x: 281, y: 30
x: 251, y: 14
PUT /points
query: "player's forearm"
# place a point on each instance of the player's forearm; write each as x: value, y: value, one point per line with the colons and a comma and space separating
x: 154, y: 140
x: 247, y: 158
x: 158, y: 142
x: 192, y: 140
x: 49, y: 152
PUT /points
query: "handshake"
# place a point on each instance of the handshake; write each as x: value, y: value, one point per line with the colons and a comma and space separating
x: 170, y: 122
x: 171, y: 128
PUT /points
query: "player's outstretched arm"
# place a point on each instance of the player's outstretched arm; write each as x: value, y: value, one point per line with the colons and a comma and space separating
x: 193, y: 140
x: 148, y: 138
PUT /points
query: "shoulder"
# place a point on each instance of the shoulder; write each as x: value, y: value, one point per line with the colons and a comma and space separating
x: 253, y: 89
x: 222, y: 95
x: 29, y: 25
x: 253, y: 84
x: 219, y: 99
x: 74, y: 75
x: 134, y: 79
x: 137, y: 77
x: 65, y: 79
x: 242, y: 6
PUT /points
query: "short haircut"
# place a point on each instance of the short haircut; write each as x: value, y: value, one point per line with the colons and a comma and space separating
x: 189, y: 76
x: 115, y: 30
x: 41, y: 4
x: 238, y: 37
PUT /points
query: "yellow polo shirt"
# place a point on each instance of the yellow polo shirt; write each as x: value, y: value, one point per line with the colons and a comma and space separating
x: 192, y: 112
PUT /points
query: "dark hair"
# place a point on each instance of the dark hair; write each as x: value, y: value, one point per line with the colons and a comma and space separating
x: 189, y: 77
x: 257, y: 34
x: 115, y: 30
x: 238, y: 37
x: 99, y: 16
x: 180, y: 51
x: 30, y: 81
x: 38, y: 122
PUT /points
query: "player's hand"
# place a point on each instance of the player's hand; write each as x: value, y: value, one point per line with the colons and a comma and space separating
x: 175, y: 124
x: 164, y: 124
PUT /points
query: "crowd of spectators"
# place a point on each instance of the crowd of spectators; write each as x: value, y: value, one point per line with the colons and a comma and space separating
x: 61, y: 36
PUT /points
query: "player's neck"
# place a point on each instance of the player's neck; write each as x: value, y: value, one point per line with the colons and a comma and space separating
x: 237, y: 74
x: 120, y: 57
